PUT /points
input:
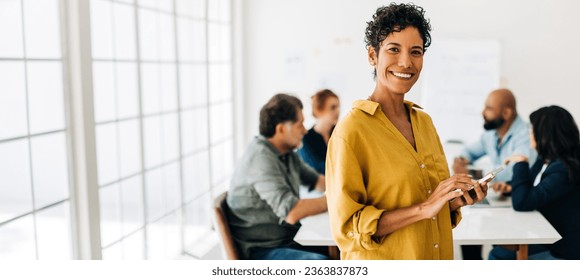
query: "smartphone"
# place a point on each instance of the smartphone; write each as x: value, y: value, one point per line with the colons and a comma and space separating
x: 489, y: 176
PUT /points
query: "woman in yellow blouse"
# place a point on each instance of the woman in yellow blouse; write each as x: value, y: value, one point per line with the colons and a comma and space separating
x: 389, y: 192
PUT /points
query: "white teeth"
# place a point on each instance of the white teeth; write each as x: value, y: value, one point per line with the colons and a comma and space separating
x: 402, y: 75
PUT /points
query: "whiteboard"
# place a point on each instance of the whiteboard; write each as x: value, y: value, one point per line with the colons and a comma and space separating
x: 457, y: 77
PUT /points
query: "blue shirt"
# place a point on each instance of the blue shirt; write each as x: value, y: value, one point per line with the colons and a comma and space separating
x: 313, y: 150
x: 515, y: 142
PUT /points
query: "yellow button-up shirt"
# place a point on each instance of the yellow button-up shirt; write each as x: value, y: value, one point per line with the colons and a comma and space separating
x: 372, y: 168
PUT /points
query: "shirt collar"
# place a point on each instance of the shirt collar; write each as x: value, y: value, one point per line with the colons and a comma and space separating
x: 515, y: 126
x: 264, y: 141
x: 370, y: 107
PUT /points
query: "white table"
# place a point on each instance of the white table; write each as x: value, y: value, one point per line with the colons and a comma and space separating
x: 498, y: 226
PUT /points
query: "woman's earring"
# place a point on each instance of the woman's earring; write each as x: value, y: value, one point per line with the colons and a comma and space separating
x: 372, y: 63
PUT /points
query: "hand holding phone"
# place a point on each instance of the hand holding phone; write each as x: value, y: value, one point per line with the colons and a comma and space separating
x: 486, y: 179
x: 489, y: 176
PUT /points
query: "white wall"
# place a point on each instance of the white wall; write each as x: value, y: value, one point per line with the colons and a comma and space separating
x: 300, y: 46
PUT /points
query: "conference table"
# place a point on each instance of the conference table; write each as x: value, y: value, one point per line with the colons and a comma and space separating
x: 480, y: 225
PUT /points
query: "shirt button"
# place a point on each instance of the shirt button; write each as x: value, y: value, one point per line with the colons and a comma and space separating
x: 351, y: 234
x: 436, y: 245
x: 422, y: 166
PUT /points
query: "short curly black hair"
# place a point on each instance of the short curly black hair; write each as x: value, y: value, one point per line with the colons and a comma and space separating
x: 394, y: 18
x: 279, y: 109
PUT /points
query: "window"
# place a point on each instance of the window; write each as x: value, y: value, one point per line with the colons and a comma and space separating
x: 163, y: 102
x: 162, y: 99
x: 34, y: 190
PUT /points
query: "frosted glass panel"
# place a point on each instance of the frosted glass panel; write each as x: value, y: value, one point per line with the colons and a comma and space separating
x: 221, y: 120
x: 53, y: 232
x: 130, y: 148
x: 220, y: 82
x: 125, y: 47
x: 167, y: 37
x: 187, y: 132
x: 192, y: 8
x: 45, y: 96
x: 197, y: 220
x: 221, y: 161
x: 127, y: 94
x: 199, y: 41
x: 134, y: 246
x: 12, y: 99
x: 18, y: 240
x: 194, y: 130
x: 148, y: 35
x: 170, y: 137
x: 49, y: 168
x: 165, y: 5
x: 163, y: 238
x: 104, y: 91
x: 132, y: 201
x: 150, y: 87
x: 107, y: 153
x: 42, y: 28
x: 171, y: 181
x: 101, y: 29
x: 15, y: 190
x: 191, y: 39
x: 152, y: 138
x: 113, y: 252
x: 168, y: 87
x: 219, y: 42
x: 154, y: 194
x: 11, y: 29
x: 110, y: 205
x: 147, y: 3
x: 193, y: 85
x: 195, y: 175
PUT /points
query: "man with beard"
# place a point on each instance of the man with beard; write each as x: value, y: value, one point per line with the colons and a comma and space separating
x: 506, y: 134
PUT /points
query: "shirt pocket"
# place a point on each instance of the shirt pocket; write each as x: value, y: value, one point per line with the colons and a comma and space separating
x: 441, y: 166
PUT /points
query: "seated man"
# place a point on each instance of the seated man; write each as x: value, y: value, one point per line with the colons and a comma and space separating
x: 264, y: 202
x: 506, y: 134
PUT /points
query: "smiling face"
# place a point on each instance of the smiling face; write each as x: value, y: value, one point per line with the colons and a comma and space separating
x: 399, y: 60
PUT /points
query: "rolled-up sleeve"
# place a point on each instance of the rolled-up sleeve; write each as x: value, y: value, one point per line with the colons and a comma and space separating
x: 273, y: 189
x: 353, y: 223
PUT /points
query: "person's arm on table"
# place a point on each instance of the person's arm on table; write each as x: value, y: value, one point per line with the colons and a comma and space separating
x: 305, y: 208
x: 526, y: 197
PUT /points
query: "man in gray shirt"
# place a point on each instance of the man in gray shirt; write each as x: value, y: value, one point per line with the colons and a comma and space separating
x: 264, y: 202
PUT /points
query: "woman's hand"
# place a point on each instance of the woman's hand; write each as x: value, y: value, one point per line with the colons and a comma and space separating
x: 456, y: 186
x: 515, y: 159
x: 478, y: 193
x: 502, y: 187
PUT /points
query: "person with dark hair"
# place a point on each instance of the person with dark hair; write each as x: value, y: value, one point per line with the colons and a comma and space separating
x: 551, y: 185
x: 326, y: 110
x: 506, y: 134
x: 265, y: 207
x: 389, y: 192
